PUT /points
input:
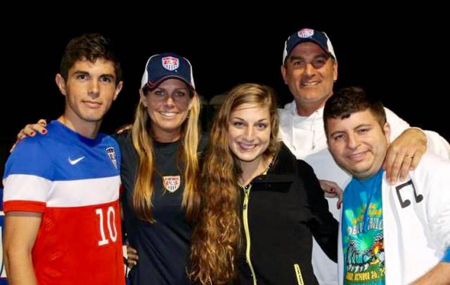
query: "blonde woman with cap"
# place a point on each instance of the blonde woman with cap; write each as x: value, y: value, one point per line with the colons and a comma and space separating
x: 160, y: 171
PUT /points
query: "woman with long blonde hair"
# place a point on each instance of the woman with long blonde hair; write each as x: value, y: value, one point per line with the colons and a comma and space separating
x: 160, y: 171
x: 261, y: 206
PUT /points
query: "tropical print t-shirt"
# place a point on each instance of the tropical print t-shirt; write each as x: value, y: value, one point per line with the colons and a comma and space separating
x: 362, y: 232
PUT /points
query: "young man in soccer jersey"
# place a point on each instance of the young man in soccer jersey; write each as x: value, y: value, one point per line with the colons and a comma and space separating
x: 61, y: 195
x: 390, y: 233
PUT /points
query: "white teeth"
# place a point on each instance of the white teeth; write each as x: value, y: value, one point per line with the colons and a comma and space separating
x: 168, y: 114
x: 310, y: 83
x: 247, y: 146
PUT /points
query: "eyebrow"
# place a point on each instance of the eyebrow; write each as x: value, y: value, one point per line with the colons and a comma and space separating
x: 357, y: 127
x: 87, y: 73
x: 81, y: 72
x: 176, y: 89
x: 362, y: 125
x: 259, y: 121
x: 107, y: 75
x: 296, y: 57
x: 336, y: 133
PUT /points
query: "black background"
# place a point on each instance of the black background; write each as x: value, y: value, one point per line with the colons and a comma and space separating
x: 401, y: 56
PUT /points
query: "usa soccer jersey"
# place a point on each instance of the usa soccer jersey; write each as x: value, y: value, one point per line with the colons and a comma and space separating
x: 74, y: 182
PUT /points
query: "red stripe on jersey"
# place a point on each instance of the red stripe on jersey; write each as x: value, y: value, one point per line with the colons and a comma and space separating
x: 25, y: 206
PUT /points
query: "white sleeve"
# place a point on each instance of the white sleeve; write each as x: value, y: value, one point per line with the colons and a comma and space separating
x: 435, y: 143
x: 437, y: 180
x: 398, y: 125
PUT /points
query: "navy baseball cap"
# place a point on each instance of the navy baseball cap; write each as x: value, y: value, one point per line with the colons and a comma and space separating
x: 163, y: 66
x: 308, y: 35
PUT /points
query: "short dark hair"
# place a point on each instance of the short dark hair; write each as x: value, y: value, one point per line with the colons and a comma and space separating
x: 90, y: 47
x: 350, y: 100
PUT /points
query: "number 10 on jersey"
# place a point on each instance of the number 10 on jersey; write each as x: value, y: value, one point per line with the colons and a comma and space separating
x: 111, y: 225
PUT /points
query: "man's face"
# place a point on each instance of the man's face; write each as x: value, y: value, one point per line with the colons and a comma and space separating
x: 310, y: 72
x: 90, y: 89
x: 358, y: 143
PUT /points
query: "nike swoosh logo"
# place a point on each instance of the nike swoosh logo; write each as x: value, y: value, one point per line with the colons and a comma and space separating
x: 75, y: 161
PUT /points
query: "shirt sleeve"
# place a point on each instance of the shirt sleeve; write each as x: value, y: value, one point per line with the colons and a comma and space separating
x: 28, y: 178
x: 397, y: 124
x: 434, y: 173
x: 436, y: 144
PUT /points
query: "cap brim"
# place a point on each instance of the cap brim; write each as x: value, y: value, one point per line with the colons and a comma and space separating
x: 155, y: 84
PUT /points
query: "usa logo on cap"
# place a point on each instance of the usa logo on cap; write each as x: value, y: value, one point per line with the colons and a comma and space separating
x: 306, y: 33
x: 170, y: 63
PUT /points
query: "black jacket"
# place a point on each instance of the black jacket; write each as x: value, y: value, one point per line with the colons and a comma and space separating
x: 286, y: 208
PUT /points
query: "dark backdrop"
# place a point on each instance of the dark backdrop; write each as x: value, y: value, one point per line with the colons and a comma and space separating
x: 400, y: 57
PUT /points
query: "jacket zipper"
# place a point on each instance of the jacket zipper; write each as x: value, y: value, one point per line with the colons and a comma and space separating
x: 246, y: 229
x: 298, y: 274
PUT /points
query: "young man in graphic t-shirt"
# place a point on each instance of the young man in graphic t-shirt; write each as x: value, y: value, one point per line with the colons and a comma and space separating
x: 390, y: 233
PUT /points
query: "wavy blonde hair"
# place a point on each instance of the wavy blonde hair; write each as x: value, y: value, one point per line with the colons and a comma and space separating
x: 143, y: 143
x: 216, y: 240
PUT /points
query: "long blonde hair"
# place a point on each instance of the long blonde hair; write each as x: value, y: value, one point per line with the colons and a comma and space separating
x: 216, y: 240
x: 143, y: 143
